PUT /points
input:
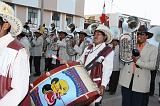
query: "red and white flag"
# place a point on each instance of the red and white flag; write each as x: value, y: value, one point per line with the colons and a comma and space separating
x: 103, y: 16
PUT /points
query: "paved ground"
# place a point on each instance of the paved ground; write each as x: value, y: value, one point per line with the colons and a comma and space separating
x: 115, y: 100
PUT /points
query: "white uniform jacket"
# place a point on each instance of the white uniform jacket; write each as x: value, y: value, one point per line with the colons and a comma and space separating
x: 62, y: 50
x: 38, y: 48
x: 17, y: 63
x: 79, y: 49
x: 107, y: 63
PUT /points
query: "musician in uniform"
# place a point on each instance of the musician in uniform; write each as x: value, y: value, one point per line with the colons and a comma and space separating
x: 80, y: 45
x: 14, y: 61
x: 135, y: 76
x: 37, y: 44
x: 22, y: 37
x: 61, y: 43
x: 51, y: 48
x: 101, y: 68
x: 116, y: 67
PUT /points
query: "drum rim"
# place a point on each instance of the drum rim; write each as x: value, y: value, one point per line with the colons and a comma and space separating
x: 85, y: 97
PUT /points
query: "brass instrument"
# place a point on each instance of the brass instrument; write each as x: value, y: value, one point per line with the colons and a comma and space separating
x: 53, y: 37
x: 128, y: 39
x: 91, y: 28
x: 90, y: 31
x: 71, y: 39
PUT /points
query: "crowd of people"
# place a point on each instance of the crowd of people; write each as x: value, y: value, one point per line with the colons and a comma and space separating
x: 21, y: 45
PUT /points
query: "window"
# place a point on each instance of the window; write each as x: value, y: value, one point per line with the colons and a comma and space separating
x: 69, y: 19
x: 33, y: 16
x: 56, y: 19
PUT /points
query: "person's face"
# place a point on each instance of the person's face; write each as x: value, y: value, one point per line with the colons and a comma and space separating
x: 37, y: 34
x: 81, y: 37
x: 4, y: 26
x: 61, y: 36
x: 141, y: 37
x: 98, y: 37
x: 114, y: 43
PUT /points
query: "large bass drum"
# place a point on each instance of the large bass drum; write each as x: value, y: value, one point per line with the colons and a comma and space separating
x: 65, y: 86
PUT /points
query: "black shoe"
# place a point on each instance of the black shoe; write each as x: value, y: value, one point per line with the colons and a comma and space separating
x: 36, y: 74
x: 111, y: 93
x: 97, y: 104
x: 151, y: 94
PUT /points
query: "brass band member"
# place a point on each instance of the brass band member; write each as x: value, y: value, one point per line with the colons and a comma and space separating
x: 79, y: 47
x: 135, y: 76
x: 101, y: 68
x: 14, y: 61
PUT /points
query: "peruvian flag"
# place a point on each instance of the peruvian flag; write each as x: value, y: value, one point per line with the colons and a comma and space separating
x: 103, y: 16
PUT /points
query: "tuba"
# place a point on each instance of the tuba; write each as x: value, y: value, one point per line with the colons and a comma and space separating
x: 90, y: 31
x: 128, y: 40
x: 71, y: 39
x: 53, y: 36
x: 91, y: 28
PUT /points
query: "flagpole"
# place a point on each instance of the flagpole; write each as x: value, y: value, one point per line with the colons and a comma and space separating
x: 112, y: 6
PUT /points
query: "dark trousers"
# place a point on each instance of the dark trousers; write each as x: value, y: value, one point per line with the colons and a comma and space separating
x: 152, y: 83
x: 48, y: 64
x: 159, y: 89
x: 114, y: 81
x: 131, y: 98
x: 37, y: 63
x: 30, y: 62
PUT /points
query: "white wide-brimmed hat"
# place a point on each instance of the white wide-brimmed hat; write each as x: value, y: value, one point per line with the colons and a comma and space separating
x: 7, y: 13
x: 106, y: 31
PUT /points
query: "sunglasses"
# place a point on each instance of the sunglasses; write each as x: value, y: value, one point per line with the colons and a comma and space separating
x: 141, y: 33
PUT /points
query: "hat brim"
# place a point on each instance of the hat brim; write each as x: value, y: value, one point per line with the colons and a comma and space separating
x: 63, y: 32
x: 115, y: 40
x: 38, y: 32
x: 83, y: 33
x: 16, y: 25
x: 108, y: 34
x: 150, y: 35
x: 109, y: 38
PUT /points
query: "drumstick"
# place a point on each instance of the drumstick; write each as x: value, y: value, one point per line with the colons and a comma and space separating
x: 60, y: 59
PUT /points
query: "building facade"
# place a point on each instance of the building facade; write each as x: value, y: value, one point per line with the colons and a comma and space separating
x: 60, y: 12
x: 115, y: 21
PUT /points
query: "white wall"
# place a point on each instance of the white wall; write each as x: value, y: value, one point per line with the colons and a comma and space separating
x: 66, y: 6
x: 32, y: 3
